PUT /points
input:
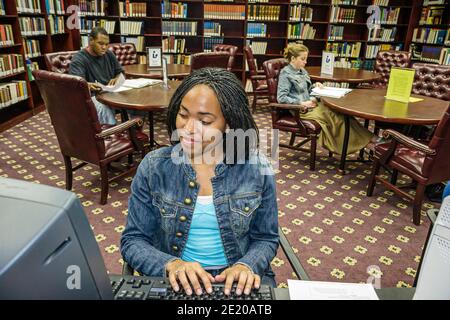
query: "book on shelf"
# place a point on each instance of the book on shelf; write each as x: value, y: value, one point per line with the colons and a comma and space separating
x: 56, y: 24
x: 174, y: 10
x: 342, y: 15
x: 173, y: 45
x: 2, y: 7
x: 344, y: 49
x: 301, y: 31
x: 382, y: 34
x: 345, y: 2
x: 132, y: 9
x: 28, y: 6
x: 431, y: 15
x: 209, y: 43
x: 12, y: 92
x: 92, y: 7
x: 31, y: 26
x: 258, y: 47
x: 131, y: 27
x: 255, y: 29
x: 10, y: 64
x: 433, y: 2
x: 445, y: 57
x: 32, y: 48
x: 430, y: 35
x: 137, y: 41
x: 335, y: 32
x: 211, y: 28
x: 55, y: 6
x: 181, y: 28
x: 299, y: 12
x: 86, y: 25
x: 30, y: 67
x: 226, y: 12
x: 263, y: 12
x: 380, y: 2
x: 6, y: 35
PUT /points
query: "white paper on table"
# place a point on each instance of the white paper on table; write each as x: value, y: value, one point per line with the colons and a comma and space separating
x: 141, y: 82
x: 330, y: 92
x: 118, y: 84
x: 122, y: 89
x: 321, y: 290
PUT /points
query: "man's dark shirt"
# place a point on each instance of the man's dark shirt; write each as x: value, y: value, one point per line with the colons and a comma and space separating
x: 95, y: 68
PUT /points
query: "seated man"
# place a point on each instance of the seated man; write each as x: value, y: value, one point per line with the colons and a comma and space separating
x: 97, y: 64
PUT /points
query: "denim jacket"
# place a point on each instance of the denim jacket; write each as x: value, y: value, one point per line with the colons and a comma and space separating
x: 162, y: 203
x: 294, y: 86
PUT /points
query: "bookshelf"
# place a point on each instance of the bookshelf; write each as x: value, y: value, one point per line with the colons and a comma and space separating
x: 36, y: 27
x: 430, y: 40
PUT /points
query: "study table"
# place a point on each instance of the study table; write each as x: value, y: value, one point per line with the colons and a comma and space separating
x: 351, y: 76
x: 151, y: 99
x: 371, y: 104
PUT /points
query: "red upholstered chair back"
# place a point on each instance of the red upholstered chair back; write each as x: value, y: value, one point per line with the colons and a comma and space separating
x: 272, y: 68
x: 432, y: 80
x: 72, y: 113
x: 232, y: 50
x: 125, y: 53
x: 437, y: 167
x: 59, y: 61
x: 251, y: 62
x: 385, y: 60
x: 209, y: 59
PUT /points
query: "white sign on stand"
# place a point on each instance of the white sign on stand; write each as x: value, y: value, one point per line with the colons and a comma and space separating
x: 154, y: 57
x: 327, y: 63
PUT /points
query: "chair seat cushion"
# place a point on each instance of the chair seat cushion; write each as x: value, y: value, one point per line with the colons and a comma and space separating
x: 139, y: 133
x: 405, y: 157
x: 289, y: 121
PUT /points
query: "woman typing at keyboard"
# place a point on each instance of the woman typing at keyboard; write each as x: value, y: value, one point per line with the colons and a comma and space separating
x: 204, y: 210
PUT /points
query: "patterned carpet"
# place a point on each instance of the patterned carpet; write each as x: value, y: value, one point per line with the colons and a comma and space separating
x: 338, y: 233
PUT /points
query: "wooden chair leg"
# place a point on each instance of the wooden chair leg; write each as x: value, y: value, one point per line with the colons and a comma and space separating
x: 375, y: 169
x: 104, y: 182
x: 312, y: 156
x: 292, y: 140
x: 130, y: 159
x: 254, y: 102
x: 69, y: 173
x: 417, y: 206
x: 394, y: 177
x: 330, y: 154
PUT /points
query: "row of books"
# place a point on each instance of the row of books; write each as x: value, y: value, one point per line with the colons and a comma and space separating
x: 173, y: 10
x: 132, y: 9
x: 2, y: 7
x: 431, y: 36
x: 30, y: 26
x: 56, y: 24
x: 335, y: 33
x: 256, y: 29
x: 431, y: 15
x: 380, y: 2
x: 12, y: 92
x: 178, y: 59
x: 388, y: 16
x: 263, y: 12
x: 430, y: 54
x: 92, y: 7
x: 6, y: 35
x: 297, y: 1
x: 348, y: 63
x: 182, y: 28
x: 345, y: 15
x: 429, y: 2
x: 345, y: 49
x: 209, y: 43
x: 258, y: 47
x: 131, y: 27
x: 139, y: 42
x: 299, y: 12
x: 211, y: 28
x: 28, y: 6
x: 10, y: 64
x: 219, y: 11
x: 301, y: 31
x: 345, y: 2
x: 30, y: 67
x: 382, y: 34
x: 372, y: 50
x: 55, y: 6
x: 87, y: 25
x: 32, y: 48
x: 172, y: 45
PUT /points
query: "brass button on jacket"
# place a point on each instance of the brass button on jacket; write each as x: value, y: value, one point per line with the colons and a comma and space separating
x: 175, y: 248
x: 179, y: 234
x: 191, y: 184
x: 183, y: 218
x: 187, y: 201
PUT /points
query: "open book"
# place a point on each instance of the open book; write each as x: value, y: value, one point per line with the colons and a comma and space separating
x: 140, y: 82
x: 330, y: 92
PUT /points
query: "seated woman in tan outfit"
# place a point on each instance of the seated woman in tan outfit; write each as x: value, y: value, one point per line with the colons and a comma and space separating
x: 294, y: 87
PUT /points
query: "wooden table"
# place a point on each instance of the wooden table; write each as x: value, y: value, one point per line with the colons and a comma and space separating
x: 371, y: 104
x: 352, y: 76
x: 141, y: 71
x: 150, y: 99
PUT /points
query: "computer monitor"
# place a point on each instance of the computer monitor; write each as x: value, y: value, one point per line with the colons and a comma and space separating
x: 47, y: 247
x: 434, y: 276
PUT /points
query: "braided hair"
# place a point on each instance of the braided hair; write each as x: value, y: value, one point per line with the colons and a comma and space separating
x: 233, y: 103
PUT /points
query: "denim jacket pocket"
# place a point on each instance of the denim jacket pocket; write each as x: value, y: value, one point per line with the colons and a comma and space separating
x: 167, y: 211
x: 242, y: 208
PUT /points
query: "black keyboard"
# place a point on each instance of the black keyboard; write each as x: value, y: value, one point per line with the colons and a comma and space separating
x: 153, y: 288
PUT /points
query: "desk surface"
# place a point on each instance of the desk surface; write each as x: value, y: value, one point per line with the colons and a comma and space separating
x: 343, y: 75
x: 150, y: 98
x: 371, y: 104
x: 141, y: 71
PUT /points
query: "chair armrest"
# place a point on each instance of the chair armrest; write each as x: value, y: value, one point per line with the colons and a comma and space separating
x: 119, y: 128
x: 409, y: 142
x: 258, y: 77
x: 261, y: 72
x: 286, y: 106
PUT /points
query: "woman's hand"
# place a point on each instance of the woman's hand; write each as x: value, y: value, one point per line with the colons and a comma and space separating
x: 243, y: 275
x: 113, y: 81
x: 94, y: 87
x: 189, y: 274
x: 309, y: 104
